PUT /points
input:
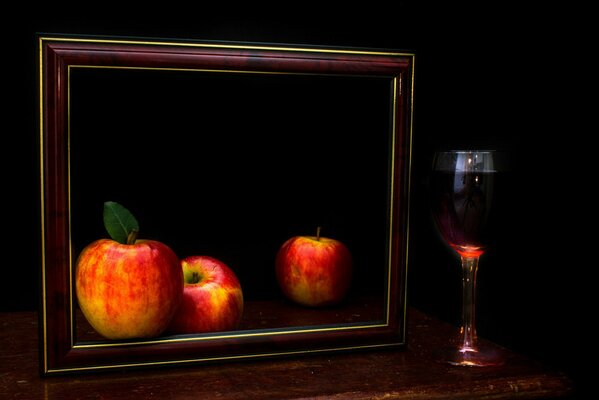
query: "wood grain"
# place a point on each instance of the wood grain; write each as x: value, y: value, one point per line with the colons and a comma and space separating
x: 405, y: 374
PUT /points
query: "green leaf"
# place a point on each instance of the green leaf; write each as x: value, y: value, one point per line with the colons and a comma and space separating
x: 119, y: 222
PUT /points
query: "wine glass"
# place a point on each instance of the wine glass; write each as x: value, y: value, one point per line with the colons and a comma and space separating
x: 462, y: 184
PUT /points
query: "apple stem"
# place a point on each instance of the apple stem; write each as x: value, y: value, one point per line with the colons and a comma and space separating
x: 318, y: 233
x: 132, y: 237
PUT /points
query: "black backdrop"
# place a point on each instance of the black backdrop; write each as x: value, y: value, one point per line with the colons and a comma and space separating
x: 493, y: 76
x: 232, y: 165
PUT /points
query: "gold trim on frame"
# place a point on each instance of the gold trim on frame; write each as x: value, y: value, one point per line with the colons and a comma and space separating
x: 214, y: 337
x: 44, y: 361
x: 225, y: 45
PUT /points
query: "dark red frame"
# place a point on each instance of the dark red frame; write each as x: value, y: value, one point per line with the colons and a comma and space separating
x: 58, y: 352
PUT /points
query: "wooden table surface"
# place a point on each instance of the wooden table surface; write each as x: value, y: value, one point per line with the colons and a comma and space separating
x: 407, y: 374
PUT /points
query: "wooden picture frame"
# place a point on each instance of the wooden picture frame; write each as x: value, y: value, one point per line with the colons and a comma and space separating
x: 367, y: 116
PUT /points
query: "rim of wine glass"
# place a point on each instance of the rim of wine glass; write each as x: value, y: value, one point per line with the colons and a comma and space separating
x: 469, y: 151
x: 500, y: 157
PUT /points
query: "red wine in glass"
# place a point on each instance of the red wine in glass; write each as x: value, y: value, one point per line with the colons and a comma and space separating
x: 461, y: 203
x: 461, y: 186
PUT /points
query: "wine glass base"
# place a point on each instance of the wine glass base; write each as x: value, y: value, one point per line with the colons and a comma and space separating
x: 482, y: 356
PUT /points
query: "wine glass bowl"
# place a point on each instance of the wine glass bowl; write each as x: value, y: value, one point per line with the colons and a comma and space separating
x: 462, y: 184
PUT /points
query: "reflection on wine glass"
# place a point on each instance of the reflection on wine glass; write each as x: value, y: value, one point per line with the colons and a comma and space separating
x: 462, y: 185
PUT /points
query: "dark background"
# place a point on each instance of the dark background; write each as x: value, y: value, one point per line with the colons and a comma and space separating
x: 494, y: 76
x: 233, y: 165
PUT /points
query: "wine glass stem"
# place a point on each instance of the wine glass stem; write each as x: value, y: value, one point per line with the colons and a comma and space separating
x: 468, y: 329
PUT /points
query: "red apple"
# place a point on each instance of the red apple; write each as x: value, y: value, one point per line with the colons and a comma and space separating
x: 314, y: 270
x: 212, y: 297
x: 128, y: 290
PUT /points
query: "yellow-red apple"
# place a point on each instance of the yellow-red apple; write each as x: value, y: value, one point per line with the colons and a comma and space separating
x: 212, y: 297
x: 314, y: 270
x: 128, y: 290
